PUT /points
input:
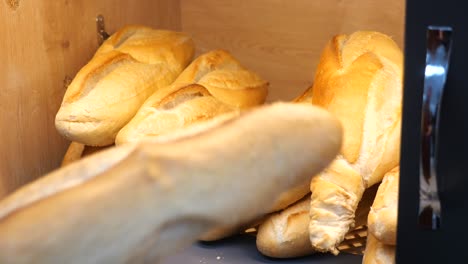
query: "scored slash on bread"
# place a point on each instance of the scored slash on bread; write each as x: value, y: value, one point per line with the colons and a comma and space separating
x: 107, y: 92
x: 359, y: 80
x: 140, y: 202
x: 212, y: 84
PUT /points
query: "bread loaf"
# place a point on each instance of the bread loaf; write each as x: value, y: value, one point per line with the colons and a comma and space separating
x: 286, y: 199
x: 107, y: 92
x: 76, y: 151
x: 212, y: 84
x: 378, y: 253
x: 382, y: 221
x: 285, y: 234
x: 359, y: 80
x: 137, y: 203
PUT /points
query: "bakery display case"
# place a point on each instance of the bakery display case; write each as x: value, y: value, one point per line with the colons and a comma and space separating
x: 262, y: 131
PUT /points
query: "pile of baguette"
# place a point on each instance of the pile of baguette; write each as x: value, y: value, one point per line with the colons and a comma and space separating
x: 187, y: 149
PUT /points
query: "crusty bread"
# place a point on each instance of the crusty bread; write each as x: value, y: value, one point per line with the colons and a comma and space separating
x: 359, y: 80
x: 137, y: 203
x: 223, y: 232
x: 382, y: 221
x: 285, y: 199
x: 378, y: 253
x: 107, y: 92
x: 76, y: 151
x: 285, y: 234
x: 212, y: 84
x: 305, y: 97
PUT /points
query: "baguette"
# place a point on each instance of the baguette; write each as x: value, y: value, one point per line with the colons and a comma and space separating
x: 138, y: 203
x: 285, y: 234
x: 384, y: 211
x: 213, y: 84
x: 108, y: 91
x: 359, y: 80
x: 287, y: 198
x: 76, y: 151
x: 223, y: 232
x: 378, y: 253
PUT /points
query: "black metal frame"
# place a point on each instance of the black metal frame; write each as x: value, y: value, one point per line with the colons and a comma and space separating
x: 414, y: 243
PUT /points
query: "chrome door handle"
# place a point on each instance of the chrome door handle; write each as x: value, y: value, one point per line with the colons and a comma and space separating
x: 437, y: 61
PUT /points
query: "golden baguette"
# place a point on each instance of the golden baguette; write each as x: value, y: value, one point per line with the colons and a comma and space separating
x: 378, y: 253
x: 287, y: 199
x: 285, y: 234
x: 138, y: 203
x: 107, y: 92
x: 76, y: 151
x: 383, y: 215
x: 359, y: 80
x: 213, y: 84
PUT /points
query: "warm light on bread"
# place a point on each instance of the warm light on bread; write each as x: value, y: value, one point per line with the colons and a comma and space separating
x: 107, y: 92
x: 213, y: 84
x: 382, y: 222
x: 285, y: 234
x: 378, y: 253
x: 141, y: 202
x: 359, y: 80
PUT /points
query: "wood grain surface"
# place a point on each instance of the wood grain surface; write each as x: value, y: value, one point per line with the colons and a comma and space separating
x: 42, y: 46
x: 282, y: 39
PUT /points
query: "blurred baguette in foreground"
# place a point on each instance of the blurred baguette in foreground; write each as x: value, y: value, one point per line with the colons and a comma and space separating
x: 138, y: 203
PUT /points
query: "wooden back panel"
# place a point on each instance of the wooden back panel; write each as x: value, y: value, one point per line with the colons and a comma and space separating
x: 43, y: 44
x: 282, y: 39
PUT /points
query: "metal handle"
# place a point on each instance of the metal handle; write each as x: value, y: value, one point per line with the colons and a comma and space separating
x: 437, y: 61
x: 101, y: 29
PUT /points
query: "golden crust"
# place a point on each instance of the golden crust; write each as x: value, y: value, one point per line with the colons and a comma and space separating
x: 340, y: 87
x: 359, y: 80
x: 285, y: 234
x: 74, y: 153
x: 108, y: 91
x: 377, y: 252
x: 212, y: 84
x: 77, y: 151
x: 382, y: 222
x: 128, y: 200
